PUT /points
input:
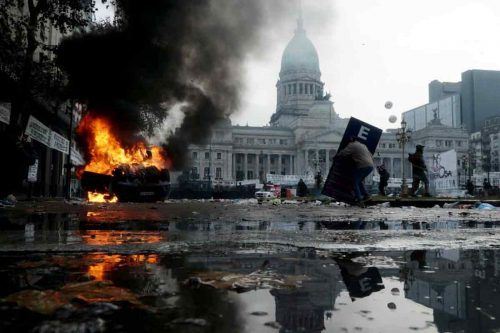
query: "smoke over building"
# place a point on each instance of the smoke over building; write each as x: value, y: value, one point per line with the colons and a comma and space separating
x: 161, y: 54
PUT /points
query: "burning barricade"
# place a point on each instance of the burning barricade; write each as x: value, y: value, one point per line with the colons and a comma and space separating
x: 115, y: 172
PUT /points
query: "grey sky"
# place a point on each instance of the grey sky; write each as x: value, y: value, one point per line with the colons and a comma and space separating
x: 372, y: 51
x: 376, y: 50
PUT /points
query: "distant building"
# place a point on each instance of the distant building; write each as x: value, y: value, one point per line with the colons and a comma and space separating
x: 302, y: 137
x: 476, y: 96
x: 447, y: 109
x: 305, y: 131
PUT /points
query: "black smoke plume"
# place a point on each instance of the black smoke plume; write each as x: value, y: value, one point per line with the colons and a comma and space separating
x: 161, y: 53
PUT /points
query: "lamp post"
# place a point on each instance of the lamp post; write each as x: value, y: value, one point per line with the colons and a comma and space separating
x: 403, y: 136
x: 465, y: 160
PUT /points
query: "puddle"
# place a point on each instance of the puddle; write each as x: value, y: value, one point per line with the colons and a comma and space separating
x: 301, y: 291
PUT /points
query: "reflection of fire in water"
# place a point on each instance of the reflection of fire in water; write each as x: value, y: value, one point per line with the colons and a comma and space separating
x: 107, y: 155
x: 107, y: 237
x: 103, y: 263
x: 101, y: 197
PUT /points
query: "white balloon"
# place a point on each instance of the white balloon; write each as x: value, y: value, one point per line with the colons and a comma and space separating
x: 393, y: 119
x: 388, y: 105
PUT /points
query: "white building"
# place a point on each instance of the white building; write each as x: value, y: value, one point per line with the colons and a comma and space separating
x: 304, y: 131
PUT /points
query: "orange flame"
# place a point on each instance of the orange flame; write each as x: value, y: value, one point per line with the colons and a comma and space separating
x: 101, y: 197
x: 106, y: 152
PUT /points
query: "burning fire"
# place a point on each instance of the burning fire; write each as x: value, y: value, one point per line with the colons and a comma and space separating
x: 107, y: 152
x: 101, y: 197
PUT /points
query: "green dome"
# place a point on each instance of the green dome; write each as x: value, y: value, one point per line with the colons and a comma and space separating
x: 300, y: 55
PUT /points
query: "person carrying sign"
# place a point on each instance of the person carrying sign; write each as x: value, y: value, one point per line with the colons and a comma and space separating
x: 419, y: 169
x: 363, y: 166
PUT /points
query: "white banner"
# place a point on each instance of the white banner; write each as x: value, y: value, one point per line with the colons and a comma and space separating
x: 443, y: 172
x: 5, y: 113
x: 38, y: 131
x: 59, y: 142
x: 33, y: 172
x: 289, y: 180
x: 76, y: 157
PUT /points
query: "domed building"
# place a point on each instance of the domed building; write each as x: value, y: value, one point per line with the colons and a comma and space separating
x: 303, y: 133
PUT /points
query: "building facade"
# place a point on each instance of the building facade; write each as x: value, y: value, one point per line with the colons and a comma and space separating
x: 475, y: 98
x: 304, y: 132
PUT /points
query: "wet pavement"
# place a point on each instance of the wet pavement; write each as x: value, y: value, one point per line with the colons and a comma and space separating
x: 232, y: 267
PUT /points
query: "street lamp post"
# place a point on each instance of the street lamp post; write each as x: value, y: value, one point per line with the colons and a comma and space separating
x: 465, y: 160
x: 403, y: 136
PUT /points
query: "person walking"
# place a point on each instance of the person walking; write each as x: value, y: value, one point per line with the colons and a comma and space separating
x: 486, y: 186
x: 470, y: 187
x: 419, y: 169
x: 363, y: 166
x: 384, y: 178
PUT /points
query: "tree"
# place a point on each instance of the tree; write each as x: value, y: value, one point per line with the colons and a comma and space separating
x: 27, y: 56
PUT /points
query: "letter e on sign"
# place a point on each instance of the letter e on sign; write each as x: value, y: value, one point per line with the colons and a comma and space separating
x: 363, y: 133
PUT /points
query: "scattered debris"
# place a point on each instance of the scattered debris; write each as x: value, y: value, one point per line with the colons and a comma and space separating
x: 273, y: 324
x: 391, y: 306
x: 47, y: 302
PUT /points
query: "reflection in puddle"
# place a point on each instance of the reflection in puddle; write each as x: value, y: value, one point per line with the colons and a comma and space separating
x: 108, y: 237
x: 102, y: 264
x: 306, y: 291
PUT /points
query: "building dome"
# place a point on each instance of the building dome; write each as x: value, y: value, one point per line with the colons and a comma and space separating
x: 300, y: 55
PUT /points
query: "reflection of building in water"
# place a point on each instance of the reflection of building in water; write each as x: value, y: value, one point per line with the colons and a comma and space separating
x: 302, y: 309
x: 460, y: 286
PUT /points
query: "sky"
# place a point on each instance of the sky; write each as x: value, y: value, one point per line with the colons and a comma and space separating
x: 373, y: 51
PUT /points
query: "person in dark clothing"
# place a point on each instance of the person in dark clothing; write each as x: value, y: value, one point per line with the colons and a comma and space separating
x: 319, y: 180
x: 384, y: 178
x: 470, y: 187
x: 419, y: 169
x: 486, y: 186
x: 363, y: 166
x: 301, y: 188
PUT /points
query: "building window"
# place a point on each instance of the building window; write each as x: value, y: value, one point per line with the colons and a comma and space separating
x: 311, y: 89
x: 249, y: 174
x: 218, y: 173
x: 219, y: 156
x: 261, y: 141
x: 207, y: 155
x: 195, y: 155
x: 439, y: 143
x: 194, y: 173
x: 272, y: 141
x: 301, y: 88
x: 283, y: 142
x: 250, y: 141
x: 295, y: 88
x: 383, y: 145
x: 206, y: 172
x: 459, y: 143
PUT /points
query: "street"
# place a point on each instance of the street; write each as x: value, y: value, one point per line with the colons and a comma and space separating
x: 240, y: 266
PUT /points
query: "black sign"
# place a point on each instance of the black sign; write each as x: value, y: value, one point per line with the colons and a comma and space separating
x: 364, y: 132
x: 339, y: 183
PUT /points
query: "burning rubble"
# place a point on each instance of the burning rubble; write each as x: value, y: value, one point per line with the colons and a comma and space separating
x: 115, y: 171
